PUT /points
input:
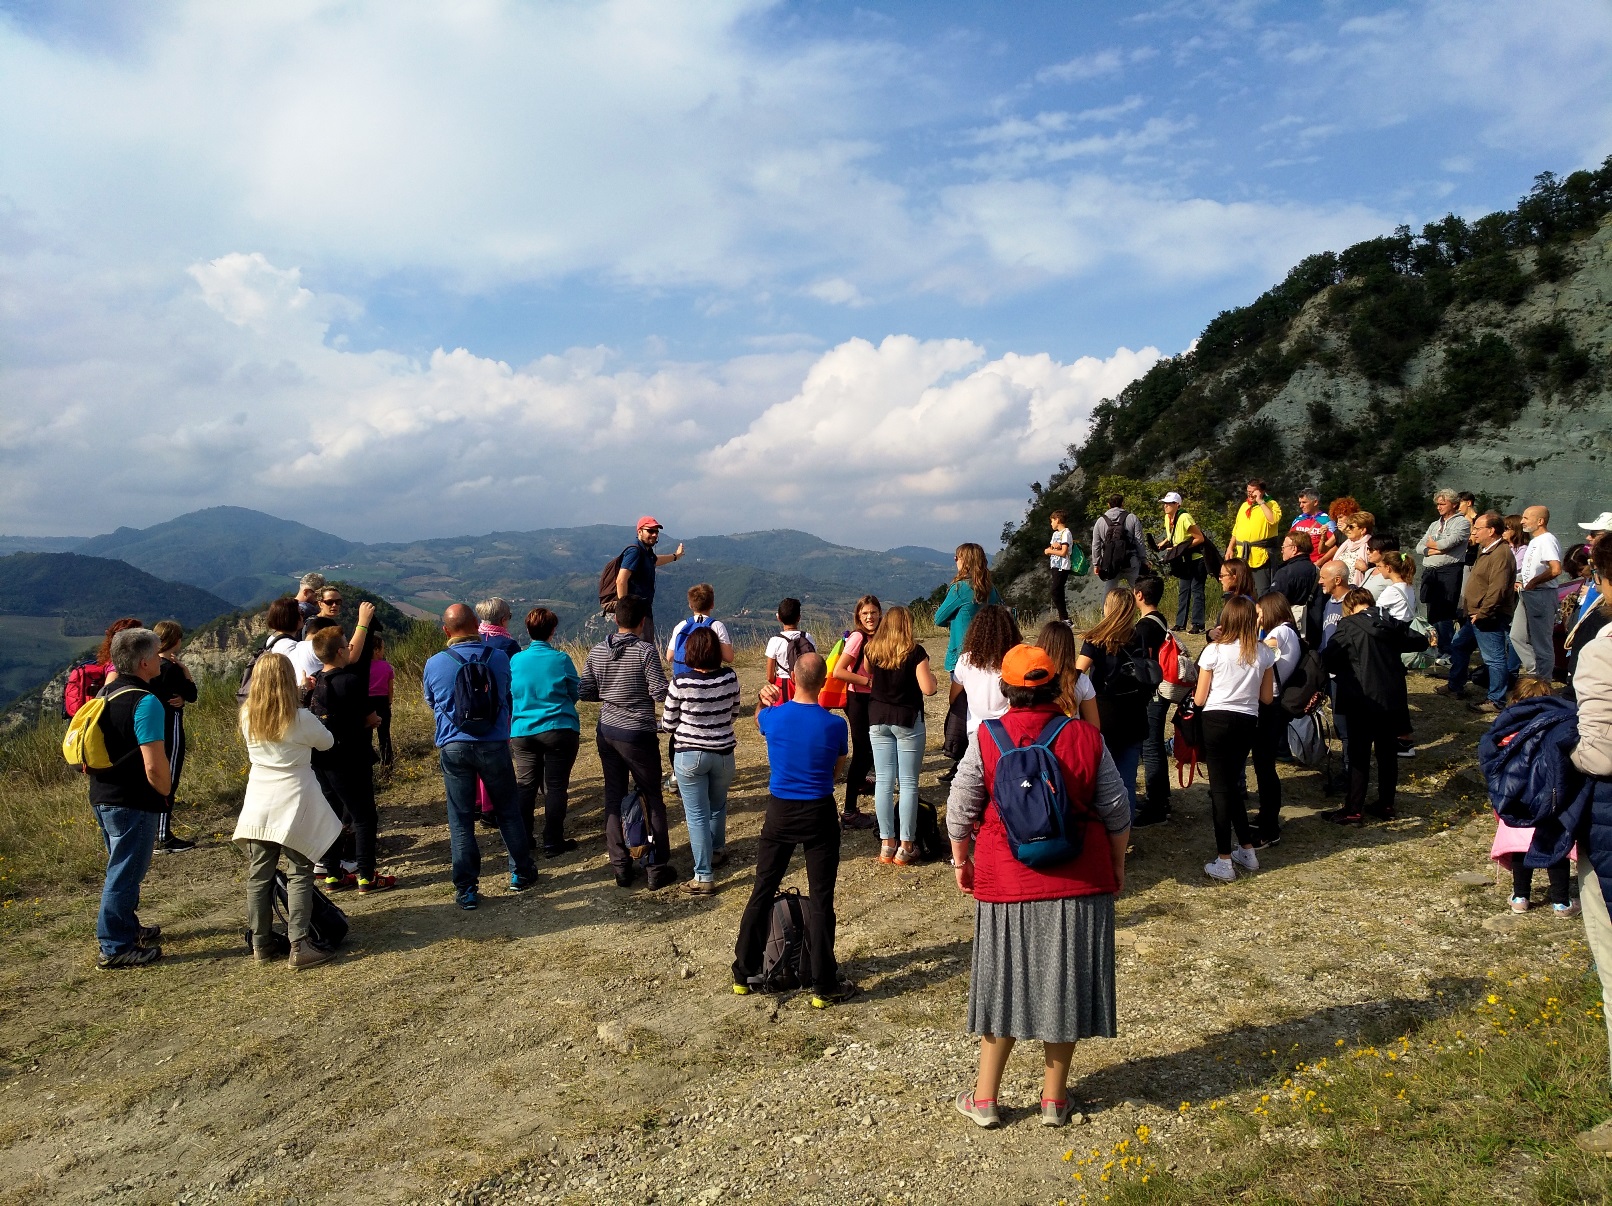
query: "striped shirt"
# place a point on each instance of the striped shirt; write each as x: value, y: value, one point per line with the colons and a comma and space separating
x: 700, y: 709
x: 624, y: 673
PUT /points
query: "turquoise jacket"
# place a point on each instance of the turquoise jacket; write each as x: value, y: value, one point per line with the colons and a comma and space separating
x: 544, y: 685
x: 956, y: 612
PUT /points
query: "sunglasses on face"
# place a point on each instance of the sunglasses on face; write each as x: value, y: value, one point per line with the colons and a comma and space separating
x: 330, y: 602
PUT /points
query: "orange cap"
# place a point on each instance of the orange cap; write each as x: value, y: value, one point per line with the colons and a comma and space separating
x: 1027, y: 666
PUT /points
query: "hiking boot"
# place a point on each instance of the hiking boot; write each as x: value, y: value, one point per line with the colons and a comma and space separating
x: 1246, y: 859
x: 624, y: 879
x: 174, y: 845
x: 565, y: 847
x: 305, y: 954
x: 1342, y: 816
x: 980, y: 1113
x: 1597, y: 1140
x: 1054, y: 1113
x: 1221, y: 869
x: 700, y: 887
x: 148, y: 934
x: 468, y: 900
x: 662, y: 876
x: 1450, y: 692
x: 135, y: 956
x: 838, y: 995
x: 274, y: 949
x: 856, y: 820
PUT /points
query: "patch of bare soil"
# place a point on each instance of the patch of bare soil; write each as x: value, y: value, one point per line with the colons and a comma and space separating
x: 580, y: 1043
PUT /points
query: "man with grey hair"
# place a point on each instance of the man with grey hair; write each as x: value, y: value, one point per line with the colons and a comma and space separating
x: 1536, y: 592
x: 308, y: 595
x: 1443, y: 552
x: 1317, y: 525
x: 129, y: 797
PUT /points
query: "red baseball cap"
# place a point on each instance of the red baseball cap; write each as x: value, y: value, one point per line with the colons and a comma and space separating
x: 1027, y: 666
x: 647, y: 521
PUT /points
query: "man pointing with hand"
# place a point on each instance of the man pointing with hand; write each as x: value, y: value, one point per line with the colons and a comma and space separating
x: 636, y: 578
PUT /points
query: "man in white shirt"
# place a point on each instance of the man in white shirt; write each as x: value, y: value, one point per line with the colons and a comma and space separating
x: 1536, y: 591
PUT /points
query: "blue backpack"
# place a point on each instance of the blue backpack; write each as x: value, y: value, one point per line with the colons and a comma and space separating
x: 475, y: 694
x: 1031, y: 799
x: 679, y: 666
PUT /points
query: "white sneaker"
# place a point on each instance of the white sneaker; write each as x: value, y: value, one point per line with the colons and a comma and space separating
x: 1221, y: 869
x: 1245, y: 859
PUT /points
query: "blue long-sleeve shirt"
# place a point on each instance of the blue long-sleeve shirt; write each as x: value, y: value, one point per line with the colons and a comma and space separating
x: 545, y: 689
x: 441, y: 670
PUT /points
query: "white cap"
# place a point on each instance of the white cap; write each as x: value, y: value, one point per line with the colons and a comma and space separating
x: 1171, y: 497
x: 1601, y: 523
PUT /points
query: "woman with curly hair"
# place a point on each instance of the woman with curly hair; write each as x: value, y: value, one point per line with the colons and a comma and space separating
x: 979, y: 669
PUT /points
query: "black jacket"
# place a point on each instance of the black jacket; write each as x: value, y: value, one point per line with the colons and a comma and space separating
x: 1364, y: 657
x: 1296, y: 579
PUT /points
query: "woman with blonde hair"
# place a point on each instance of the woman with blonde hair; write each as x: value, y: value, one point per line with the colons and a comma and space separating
x: 284, y: 811
x: 1234, y: 678
x: 1076, y: 698
x: 1108, y: 657
x: 900, y: 677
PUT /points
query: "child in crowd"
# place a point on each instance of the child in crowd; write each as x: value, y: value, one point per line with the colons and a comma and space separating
x: 1235, y: 677
x: 1512, y: 843
x: 1398, y: 596
x: 175, y: 688
x: 853, y: 670
x: 788, y: 645
x: 381, y: 676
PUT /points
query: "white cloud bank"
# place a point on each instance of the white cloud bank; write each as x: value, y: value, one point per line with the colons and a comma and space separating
x: 250, y: 404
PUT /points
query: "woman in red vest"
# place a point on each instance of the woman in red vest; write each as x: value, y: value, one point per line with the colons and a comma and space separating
x: 1043, y: 939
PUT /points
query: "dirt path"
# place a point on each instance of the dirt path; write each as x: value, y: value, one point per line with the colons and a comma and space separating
x: 579, y: 1043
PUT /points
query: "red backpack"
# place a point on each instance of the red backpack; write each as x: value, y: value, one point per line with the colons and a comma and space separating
x: 84, y: 683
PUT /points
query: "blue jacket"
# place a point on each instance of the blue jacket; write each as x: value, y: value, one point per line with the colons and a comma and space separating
x: 544, y: 687
x: 956, y: 612
x: 440, y: 671
x: 1532, y: 782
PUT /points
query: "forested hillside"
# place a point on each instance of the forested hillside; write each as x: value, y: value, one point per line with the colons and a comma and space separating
x: 1472, y: 354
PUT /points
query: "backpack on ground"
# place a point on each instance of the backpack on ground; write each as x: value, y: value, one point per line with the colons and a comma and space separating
x: 834, y: 689
x: 1421, y: 659
x: 634, y: 824
x: 327, y: 924
x: 1187, y: 743
x: 1029, y: 795
x: 475, y: 694
x: 607, y: 581
x: 84, y: 682
x: 1178, y: 670
x: 786, y: 964
x: 84, y: 745
x: 1305, y: 690
x: 1307, y: 740
x: 1113, y: 551
x: 269, y: 642
x: 679, y: 666
x: 933, y: 845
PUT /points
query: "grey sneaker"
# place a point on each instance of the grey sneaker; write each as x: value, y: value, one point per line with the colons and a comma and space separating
x: 1054, y: 1113
x: 135, y: 956
x: 980, y: 1115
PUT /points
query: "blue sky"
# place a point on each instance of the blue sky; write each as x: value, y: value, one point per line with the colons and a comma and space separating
x: 406, y: 269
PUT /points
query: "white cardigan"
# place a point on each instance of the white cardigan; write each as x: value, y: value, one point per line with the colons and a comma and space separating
x: 283, y: 801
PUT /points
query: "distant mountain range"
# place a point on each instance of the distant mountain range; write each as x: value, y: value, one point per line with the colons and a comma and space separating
x: 246, y: 557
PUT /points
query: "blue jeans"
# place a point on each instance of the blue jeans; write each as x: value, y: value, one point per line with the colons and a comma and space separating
x: 1190, y: 593
x: 703, y: 778
x: 463, y: 764
x: 1498, y: 656
x: 898, y: 755
x: 1155, y: 763
x: 129, y: 835
x: 1126, y: 761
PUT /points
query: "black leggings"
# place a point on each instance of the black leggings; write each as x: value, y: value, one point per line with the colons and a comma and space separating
x: 1522, y: 880
x: 381, y: 705
x: 350, y: 790
x: 1269, y: 741
x: 1227, y: 739
x: 856, y: 711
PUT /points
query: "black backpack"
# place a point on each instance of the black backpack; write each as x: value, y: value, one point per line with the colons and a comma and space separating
x: 475, y: 694
x: 798, y: 644
x: 607, y: 581
x: 245, y: 688
x: 327, y: 924
x: 786, y: 964
x: 1305, y: 690
x: 933, y: 845
x: 1112, y: 555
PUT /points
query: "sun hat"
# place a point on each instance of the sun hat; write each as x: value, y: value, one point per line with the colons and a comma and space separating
x: 1027, y: 666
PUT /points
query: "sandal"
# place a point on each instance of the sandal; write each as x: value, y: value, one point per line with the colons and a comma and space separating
x: 381, y: 883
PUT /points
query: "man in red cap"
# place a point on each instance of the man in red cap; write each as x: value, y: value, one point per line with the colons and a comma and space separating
x: 636, y: 577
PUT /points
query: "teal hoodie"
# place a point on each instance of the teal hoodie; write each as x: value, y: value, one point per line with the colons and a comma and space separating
x: 956, y: 612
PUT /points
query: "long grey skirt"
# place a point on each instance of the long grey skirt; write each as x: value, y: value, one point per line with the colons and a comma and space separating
x: 1044, y: 969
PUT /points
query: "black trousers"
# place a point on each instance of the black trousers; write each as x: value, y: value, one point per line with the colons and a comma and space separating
x: 1059, y: 578
x: 176, y: 763
x: 635, y: 760
x: 1270, y: 739
x: 381, y: 705
x: 543, y: 761
x: 1373, y: 731
x: 856, y: 713
x: 350, y: 789
x: 1522, y: 879
x: 814, y: 826
x: 1227, y: 739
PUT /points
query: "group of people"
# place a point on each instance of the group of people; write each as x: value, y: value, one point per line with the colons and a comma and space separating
x: 1311, y: 609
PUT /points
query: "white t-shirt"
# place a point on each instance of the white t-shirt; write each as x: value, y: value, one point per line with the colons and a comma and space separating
x: 305, y: 661
x: 1398, y: 600
x: 716, y: 626
x: 778, y: 648
x: 984, y: 690
x: 1065, y: 538
x: 1235, y: 686
x: 1287, y: 651
x: 1539, y: 552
